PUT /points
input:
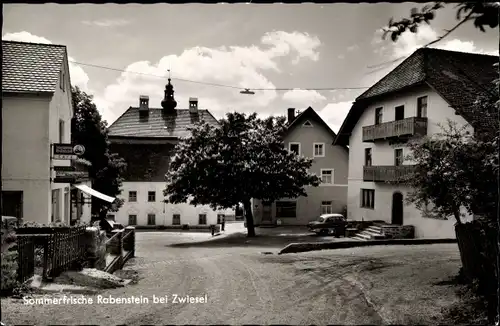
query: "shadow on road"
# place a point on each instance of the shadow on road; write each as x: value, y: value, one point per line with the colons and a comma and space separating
x: 240, y: 239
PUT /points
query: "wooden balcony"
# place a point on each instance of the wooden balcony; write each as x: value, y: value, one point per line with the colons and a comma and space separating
x: 395, y: 129
x: 387, y: 173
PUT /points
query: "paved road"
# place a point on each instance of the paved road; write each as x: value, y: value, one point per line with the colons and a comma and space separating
x: 245, y: 286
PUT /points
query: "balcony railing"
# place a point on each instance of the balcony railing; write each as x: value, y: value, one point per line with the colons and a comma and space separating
x: 387, y: 173
x: 393, y: 129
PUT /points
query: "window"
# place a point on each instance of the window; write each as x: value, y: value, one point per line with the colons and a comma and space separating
x: 294, y: 147
x: 151, y: 219
x: 399, y: 112
x: 56, y: 215
x: 327, y: 176
x: 398, y: 157
x: 132, y: 196
x: 307, y: 124
x: 61, y: 131
x: 202, y: 219
x: 67, y: 203
x: 319, y: 150
x: 132, y: 219
x: 368, y: 157
x: 62, y: 76
x: 176, y: 219
x: 422, y: 107
x: 151, y: 196
x: 110, y: 217
x: 378, y: 116
x: 326, y: 207
x: 368, y: 198
x: 220, y: 218
x: 286, y: 209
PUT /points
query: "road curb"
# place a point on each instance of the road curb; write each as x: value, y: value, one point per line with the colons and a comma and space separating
x: 311, y: 246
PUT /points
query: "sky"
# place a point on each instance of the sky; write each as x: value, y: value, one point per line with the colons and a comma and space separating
x: 298, y: 48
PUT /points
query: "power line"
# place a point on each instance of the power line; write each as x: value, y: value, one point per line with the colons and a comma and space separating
x: 218, y: 85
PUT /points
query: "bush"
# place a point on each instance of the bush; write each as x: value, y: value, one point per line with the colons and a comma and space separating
x: 9, y: 269
x: 32, y: 224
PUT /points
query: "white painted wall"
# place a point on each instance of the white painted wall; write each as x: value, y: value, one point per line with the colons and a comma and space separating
x: 164, y: 212
x: 438, y: 111
x: 30, y: 125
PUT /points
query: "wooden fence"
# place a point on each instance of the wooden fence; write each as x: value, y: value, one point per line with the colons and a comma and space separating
x: 120, y: 248
x: 63, y: 247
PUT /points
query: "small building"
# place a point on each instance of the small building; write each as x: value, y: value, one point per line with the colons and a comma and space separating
x: 36, y: 113
x: 146, y: 137
x: 413, y: 100
x: 308, y: 135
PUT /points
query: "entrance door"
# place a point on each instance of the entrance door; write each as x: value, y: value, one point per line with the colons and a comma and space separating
x: 12, y: 203
x: 267, y: 213
x: 397, y: 208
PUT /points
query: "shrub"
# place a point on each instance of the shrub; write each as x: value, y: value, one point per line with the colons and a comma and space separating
x: 9, y: 269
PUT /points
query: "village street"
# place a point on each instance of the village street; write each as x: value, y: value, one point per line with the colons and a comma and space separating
x: 372, y: 285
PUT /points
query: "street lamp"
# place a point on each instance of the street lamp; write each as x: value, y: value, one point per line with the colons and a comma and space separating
x: 247, y: 92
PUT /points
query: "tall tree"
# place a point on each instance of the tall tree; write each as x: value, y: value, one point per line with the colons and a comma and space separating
x: 88, y: 129
x: 243, y: 158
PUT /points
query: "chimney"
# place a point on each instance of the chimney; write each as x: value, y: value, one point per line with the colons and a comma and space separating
x: 291, y: 115
x: 193, y: 105
x: 143, y: 103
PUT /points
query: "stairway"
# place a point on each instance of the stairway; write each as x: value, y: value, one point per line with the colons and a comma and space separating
x: 373, y: 232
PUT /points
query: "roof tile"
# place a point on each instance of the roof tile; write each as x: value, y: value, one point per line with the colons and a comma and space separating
x: 31, y: 67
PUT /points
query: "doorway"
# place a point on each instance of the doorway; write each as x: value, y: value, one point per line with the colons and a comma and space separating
x: 12, y: 204
x: 267, y: 217
x: 397, y: 208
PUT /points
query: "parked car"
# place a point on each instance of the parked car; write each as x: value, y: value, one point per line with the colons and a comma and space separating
x: 329, y: 224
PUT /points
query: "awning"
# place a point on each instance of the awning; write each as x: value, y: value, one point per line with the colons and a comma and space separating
x: 92, y: 192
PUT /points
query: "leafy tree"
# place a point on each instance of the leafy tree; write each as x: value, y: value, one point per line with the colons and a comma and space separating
x: 88, y: 129
x: 457, y: 168
x: 482, y: 13
x: 243, y: 158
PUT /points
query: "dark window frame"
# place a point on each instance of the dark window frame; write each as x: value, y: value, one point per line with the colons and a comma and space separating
x: 152, y: 217
x: 422, y: 106
x: 202, y: 219
x: 151, y: 196
x: 368, y: 157
x: 398, y: 156
x: 176, y: 219
x: 378, y: 115
x: 367, y: 198
x: 132, y: 219
x: 399, y: 109
x: 282, y: 211
x: 132, y: 199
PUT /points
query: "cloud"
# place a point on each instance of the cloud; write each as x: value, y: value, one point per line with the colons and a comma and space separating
x: 236, y: 66
x: 334, y: 114
x: 78, y: 76
x: 303, y: 97
x: 352, y: 48
x: 409, y: 42
x: 107, y: 22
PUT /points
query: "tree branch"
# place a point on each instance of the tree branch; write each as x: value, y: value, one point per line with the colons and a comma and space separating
x: 448, y: 32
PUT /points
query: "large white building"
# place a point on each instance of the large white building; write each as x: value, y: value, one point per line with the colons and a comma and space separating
x: 145, y: 137
x: 416, y: 97
x: 36, y: 114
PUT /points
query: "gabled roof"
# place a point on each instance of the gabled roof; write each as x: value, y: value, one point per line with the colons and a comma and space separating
x: 458, y: 77
x: 158, y: 124
x: 309, y: 114
x: 31, y: 67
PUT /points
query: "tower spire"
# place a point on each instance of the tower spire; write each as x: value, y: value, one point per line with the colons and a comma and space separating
x: 169, y: 102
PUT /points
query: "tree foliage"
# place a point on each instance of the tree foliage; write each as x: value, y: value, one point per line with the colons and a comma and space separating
x: 457, y: 168
x: 88, y: 129
x: 243, y: 158
x: 482, y: 13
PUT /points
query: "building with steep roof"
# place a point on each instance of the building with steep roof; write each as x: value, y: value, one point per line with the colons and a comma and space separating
x: 145, y: 137
x: 36, y: 113
x: 422, y: 93
x: 308, y: 135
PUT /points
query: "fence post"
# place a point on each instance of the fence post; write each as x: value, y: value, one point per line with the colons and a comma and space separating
x: 130, y: 241
x: 45, y: 257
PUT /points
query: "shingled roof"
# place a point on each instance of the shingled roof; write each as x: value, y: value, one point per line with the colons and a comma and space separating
x: 458, y: 77
x: 158, y: 124
x: 31, y: 67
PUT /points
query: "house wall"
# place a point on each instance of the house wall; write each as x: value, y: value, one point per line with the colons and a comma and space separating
x: 164, y: 212
x: 336, y: 158
x: 25, y: 153
x: 60, y: 108
x: 438, y: 111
